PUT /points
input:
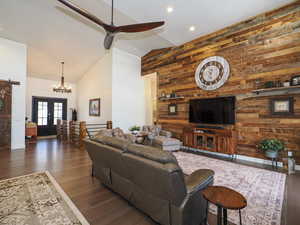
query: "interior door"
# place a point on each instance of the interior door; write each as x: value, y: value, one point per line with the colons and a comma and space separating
x: 5, y: 115
x: 46, y: 112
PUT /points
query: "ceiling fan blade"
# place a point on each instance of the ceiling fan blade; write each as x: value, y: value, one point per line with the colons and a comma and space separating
x: 85, y: 14
x: 109, y: 38
x: 138, y: 27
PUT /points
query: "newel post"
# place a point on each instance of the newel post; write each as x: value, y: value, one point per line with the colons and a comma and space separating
x: 109, y: 125
x: 82, y: 133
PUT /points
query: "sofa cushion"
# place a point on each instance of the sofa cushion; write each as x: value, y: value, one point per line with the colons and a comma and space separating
x: 152, y: 153
x: 115, y: 142
x: 98, y: 138
x: 161, y: 140
x: 118, y: 132
x: 105, y: 132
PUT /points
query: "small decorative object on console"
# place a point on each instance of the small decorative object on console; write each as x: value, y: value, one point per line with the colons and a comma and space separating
x: 282, y: 106
x: 269, y: 84
x: 287, y: 83
x: 295, y: 80
x: 173, y: 95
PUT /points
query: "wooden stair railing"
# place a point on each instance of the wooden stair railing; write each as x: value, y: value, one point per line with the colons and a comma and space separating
x: 62, y: 129
x: 74, y: 130
x: 78, y: 131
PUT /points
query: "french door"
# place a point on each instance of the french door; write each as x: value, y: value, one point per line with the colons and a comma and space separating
x: 46, y: 112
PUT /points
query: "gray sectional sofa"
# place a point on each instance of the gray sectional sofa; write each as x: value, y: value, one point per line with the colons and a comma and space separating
x: 151, y: 180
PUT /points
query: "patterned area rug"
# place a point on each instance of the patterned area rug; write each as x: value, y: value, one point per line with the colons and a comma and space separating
x: 36, y: 199
x: 263, y: 189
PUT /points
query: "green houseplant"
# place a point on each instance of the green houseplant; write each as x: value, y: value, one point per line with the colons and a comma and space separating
x: 134, y: 129
x: 271, y: 147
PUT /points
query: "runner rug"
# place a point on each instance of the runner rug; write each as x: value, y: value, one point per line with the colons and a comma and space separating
x: 36, y: 199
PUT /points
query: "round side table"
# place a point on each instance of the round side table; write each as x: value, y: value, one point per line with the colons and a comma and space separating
x: 224, y: 198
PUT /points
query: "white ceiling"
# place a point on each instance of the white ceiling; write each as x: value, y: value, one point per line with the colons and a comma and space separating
x: 54, y: 33
x: 206, y: 15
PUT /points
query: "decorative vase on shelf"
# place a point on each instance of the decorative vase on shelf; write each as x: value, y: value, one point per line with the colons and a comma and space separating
x: 135, y: 132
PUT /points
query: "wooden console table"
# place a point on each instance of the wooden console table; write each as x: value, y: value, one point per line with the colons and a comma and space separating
x: 32, y: 133
x: 211, y: 139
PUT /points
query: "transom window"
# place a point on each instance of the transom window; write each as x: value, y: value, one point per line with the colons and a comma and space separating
x: 58, y: 111
x: 43, y: 113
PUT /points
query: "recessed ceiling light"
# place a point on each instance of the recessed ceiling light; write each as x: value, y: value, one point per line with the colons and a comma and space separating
x: 192, y: 28
x: 170, y: 9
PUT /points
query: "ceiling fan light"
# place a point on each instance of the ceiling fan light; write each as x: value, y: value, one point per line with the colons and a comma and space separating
x: 170, y: 9
x: 192, y: 28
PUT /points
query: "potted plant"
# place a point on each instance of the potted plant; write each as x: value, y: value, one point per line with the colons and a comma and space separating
x: 271, y: 147
x: 134, y: 129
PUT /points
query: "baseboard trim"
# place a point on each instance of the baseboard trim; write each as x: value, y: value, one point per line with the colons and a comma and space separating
x: 240, y: 157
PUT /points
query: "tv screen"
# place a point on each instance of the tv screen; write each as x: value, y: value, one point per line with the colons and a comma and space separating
x: 213, y: 111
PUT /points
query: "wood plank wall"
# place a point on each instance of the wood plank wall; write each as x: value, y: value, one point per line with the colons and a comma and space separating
x: 263, y: 48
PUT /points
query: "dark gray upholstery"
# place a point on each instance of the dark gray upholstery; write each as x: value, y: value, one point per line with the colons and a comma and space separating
x: 151, y: 180
x: 152, y: 153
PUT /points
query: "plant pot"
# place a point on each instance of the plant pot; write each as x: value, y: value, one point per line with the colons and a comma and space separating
x: 271, y: 154
x: 135, y: 132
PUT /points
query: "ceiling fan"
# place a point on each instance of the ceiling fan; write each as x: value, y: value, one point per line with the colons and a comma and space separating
x: 112, y: 30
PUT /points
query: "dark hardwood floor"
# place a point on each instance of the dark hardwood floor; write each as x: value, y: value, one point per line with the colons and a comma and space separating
x: 71, y: 168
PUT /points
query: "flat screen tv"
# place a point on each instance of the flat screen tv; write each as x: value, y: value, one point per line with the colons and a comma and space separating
x: 212, y: 111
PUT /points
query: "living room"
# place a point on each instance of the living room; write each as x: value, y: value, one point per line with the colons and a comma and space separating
x: 201, y: 99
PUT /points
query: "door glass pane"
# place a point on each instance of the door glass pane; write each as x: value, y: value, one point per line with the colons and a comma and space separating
x: 42, y: 113
x: 58, y: 109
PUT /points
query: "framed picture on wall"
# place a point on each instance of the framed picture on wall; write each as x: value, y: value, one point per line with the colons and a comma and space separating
x: 94, y: 107
x: 172, y: 109
x: 282, y: 106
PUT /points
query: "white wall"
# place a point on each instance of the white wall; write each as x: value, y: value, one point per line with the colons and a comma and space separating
x: 128, y: 91
x: 13, y: 65
x: 96, y: 83
x: 43, y: 88
x: 116, y: 79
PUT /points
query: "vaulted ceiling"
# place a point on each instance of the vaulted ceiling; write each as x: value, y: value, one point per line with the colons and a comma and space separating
x: 53, y: 33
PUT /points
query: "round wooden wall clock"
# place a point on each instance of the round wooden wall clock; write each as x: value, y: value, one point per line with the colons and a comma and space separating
x: 212, y: 73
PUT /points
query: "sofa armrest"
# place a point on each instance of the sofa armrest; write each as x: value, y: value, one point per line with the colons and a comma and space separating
x: 193, y: 209
x: 165, y: 133
x: 199, y: 180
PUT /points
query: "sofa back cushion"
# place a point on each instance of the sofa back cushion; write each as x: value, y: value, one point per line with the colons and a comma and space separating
x: 151, y: 153
x: 119, y: 143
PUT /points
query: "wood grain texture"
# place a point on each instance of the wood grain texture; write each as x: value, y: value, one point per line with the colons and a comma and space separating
x: 263, y: 48
x: 5, y: 115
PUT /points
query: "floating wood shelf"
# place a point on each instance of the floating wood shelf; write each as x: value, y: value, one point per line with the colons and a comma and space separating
x: 171, y: 98
x: 291, y: 88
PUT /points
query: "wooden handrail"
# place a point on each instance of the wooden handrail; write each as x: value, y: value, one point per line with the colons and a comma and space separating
x: 78, y: 131
x: 62, y: 129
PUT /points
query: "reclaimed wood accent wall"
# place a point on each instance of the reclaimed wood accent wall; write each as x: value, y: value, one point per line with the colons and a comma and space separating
x: 263, y: 48
x: 5, y: 115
